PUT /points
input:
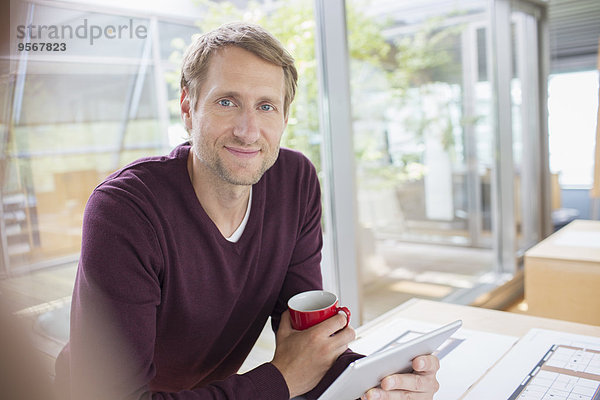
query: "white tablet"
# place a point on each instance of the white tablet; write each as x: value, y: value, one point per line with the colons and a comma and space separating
x: 367, y: 372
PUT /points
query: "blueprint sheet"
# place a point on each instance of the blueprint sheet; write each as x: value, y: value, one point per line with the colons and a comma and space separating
x: 545, y: 365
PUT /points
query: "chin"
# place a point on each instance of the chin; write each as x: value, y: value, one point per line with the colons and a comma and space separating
x: 244, y: 179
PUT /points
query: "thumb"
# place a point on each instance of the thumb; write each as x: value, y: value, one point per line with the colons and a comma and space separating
x: 285, y: 324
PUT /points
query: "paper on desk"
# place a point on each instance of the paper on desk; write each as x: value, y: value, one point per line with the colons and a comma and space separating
x: 526, y: 360
x: 464, y: 358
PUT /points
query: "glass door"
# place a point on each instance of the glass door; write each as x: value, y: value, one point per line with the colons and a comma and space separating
x: 530, y: 143
x: 447, y: 135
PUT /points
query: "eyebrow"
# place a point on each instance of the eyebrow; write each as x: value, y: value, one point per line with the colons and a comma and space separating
x: 234, y: 94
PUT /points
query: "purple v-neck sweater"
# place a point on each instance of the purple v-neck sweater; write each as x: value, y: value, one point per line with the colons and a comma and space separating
x: 164, y: 307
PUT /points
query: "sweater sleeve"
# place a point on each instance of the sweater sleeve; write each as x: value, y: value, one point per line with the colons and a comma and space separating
x: 336, y: 369
x: 264, y: 382
x: 110, y: 354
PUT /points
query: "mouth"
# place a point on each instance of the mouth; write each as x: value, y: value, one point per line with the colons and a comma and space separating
x: 242, y: 153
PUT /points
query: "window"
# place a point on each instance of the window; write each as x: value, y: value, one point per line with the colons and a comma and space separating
x: 443, y: 112
x: 573, y: 108
x: 78, y: 115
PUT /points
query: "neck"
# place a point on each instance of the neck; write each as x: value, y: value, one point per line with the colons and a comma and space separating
x: 224, y: 203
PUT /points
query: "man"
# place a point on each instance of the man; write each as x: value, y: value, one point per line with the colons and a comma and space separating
x: 184, y: 257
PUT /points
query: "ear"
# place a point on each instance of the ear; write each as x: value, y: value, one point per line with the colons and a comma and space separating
x: 186, y: 108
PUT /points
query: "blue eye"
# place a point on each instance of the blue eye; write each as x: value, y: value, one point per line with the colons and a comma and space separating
x: 226, y: 103
x: 266, y: 107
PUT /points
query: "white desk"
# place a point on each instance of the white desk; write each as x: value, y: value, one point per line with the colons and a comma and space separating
x: 475, y: 319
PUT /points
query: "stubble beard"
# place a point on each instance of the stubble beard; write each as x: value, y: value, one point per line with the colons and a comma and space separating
x: 217, y: 166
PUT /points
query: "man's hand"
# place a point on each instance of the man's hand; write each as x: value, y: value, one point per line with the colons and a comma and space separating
x: 420, y: 385
x: 303, y: 357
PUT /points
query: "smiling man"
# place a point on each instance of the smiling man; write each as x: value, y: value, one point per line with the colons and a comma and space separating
x: 235, y: 122
x: 186, y: 256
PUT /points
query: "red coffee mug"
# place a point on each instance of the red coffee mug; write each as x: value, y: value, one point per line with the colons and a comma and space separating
x: 310, y: 308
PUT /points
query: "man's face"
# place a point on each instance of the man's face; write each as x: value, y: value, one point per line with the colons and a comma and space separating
x: 238, y: 120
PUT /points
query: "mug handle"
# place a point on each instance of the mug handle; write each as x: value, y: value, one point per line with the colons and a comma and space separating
x: 345, y: 311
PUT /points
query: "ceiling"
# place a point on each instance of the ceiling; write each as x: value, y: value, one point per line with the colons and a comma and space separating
x: 574, y: 29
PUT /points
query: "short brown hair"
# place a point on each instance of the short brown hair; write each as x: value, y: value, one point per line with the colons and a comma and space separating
x: 250, y: 37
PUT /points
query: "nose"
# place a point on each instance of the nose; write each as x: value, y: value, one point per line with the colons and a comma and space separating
x: 247, y: 127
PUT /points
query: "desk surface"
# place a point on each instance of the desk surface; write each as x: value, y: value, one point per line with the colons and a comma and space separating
x: 477, y: 319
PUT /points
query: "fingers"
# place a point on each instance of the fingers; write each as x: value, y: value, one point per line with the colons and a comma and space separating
x: 339, y: 334
x: 411, y: 382
x: 332, y: 325
x: 427, y: 363
x: 332, y: 335
x: 334, y: 332
x: 344, y: 337
x: 405, y: 386
x: 379, y: 394
x: 421, y: 384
